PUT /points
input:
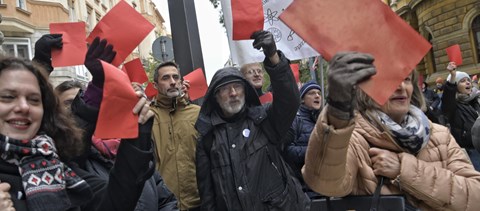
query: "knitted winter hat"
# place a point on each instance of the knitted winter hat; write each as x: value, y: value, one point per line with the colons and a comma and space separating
x: 307, y: 87
x: 459, y: 76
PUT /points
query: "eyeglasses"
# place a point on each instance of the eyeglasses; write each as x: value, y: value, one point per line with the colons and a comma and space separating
x: 226, y: 89
x: 254, y: 72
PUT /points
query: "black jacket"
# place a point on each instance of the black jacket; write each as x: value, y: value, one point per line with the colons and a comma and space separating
x: 431, y: 98
x: 131, y: 182
x: 461, y: 116
x: 239, y: 166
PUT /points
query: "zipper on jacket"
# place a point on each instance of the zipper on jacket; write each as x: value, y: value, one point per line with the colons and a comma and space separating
x: 172, y: 135
x: 273, y: 164
x: 326, y: 132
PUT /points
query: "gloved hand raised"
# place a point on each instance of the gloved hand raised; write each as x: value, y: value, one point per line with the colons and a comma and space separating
x: 264, y: 39
x: 98, y: 50
x: 347, y: 69
x: 43, y: 49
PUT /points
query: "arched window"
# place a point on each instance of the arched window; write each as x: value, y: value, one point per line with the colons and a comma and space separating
x: 431, y: 55
x: 476, y: 35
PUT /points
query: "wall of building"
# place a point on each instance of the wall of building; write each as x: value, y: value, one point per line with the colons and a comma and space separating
x: 443, y: 23
x: 24, y: 24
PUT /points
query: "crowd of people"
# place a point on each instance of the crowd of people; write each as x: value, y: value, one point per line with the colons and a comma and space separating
x: 231, y: 152
x: 454, y: 103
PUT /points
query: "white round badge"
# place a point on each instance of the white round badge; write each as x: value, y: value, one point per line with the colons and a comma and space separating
x: 246, y: 133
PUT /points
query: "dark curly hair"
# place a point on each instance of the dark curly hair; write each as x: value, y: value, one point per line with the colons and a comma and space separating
x: 55, y: 122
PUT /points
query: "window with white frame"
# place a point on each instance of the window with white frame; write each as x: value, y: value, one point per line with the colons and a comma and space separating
x: 18, y: 47
x: 148, y: 7
x: 22, y: 4
x: 90, y: 18
x: 134, y: 5
x: 97, y: 17
x: 81, y: 72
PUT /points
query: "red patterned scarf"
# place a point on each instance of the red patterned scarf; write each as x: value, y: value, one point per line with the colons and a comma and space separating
x: 45, y: 178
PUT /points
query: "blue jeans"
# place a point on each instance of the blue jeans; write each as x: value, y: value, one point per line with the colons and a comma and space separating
x: 474, y: 157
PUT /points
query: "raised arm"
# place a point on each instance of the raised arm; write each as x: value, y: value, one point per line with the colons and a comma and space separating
x: 285, y: 91
x: 43, y: 50
x: 330, y: 162
x: 449, y: 106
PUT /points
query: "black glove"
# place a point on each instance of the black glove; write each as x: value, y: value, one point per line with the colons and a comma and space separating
x: 98, y: 50
x: 346, y: 70
x: 43, y: 49
x: 144, y: 140
x: 265, y: 40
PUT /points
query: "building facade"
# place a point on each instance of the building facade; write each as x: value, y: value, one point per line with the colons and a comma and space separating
x: 444, y: 23
x: 25, y: 21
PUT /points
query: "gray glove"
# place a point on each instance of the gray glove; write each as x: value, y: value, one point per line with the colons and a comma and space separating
x: 347, y: 69
x: 265, y: 40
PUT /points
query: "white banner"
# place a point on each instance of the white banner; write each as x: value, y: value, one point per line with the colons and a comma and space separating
x: 287, y: 41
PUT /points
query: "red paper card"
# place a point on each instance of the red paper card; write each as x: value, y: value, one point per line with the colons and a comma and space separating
x: 74, y: 46
x: 266, y: 98
x: 116, y: 118
x: 296, y: 72
x: 124, y: 28
x: 455, y: 54
x: 247, y: 18
x: 135, y: 71
x: 150, y: 91
x: 198, y: 84
x: 369, y: 26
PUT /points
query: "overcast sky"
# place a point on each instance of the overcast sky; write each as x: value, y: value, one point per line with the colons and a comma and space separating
x: 212, y: 35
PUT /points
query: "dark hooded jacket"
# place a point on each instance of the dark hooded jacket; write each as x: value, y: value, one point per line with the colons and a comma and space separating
x: 239, y: 166
x: 461, y: 116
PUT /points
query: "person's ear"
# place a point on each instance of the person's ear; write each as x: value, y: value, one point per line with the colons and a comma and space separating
x: 155, y: 85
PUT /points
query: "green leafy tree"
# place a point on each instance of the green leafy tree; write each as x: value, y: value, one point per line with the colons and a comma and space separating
x: 149, y: 65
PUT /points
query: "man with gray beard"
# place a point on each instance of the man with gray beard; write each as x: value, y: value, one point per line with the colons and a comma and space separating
x: 238, y: 163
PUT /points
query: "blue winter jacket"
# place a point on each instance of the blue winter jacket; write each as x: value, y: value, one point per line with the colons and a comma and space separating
x: 298, y: 136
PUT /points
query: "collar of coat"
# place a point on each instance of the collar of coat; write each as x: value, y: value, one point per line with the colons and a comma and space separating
x: 206, y: 123
x: 165, y: 102
x: 374, y: 136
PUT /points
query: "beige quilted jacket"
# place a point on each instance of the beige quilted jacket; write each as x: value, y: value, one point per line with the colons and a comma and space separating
x: 440, y: 177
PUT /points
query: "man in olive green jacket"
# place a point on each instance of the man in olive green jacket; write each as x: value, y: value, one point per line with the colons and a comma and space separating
x: 175, y: 136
